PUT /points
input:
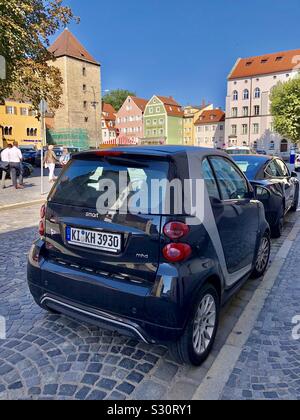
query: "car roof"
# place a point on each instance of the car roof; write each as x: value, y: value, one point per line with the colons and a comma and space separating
x: 258, y: 157
x: 157, y: 151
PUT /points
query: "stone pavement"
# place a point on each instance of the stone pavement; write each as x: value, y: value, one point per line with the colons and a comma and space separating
x: 269, y: 365
x: 32, y: 192
x: 53, y: 357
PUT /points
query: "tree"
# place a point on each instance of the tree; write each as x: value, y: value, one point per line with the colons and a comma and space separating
x: 25, y: 28
x: 117, y: 97
x: 285, y: 107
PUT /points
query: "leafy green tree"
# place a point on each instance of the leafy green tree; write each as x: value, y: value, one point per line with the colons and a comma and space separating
x: 117, y: 97
x: 285, y: 107
x: 25, y: 28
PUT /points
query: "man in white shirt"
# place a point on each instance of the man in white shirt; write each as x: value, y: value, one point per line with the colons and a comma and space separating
x: 15, y: 165
x: 5, y: 164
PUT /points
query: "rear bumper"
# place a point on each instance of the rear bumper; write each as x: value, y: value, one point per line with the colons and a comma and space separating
x: 129, y: 308
x: 94, y: 316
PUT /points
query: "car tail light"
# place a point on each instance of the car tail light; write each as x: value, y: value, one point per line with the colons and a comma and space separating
x: 176, y: 252
x: 176, y: 230
x: 108, y: 153
x: 43, y: 211
x: 42, y: 229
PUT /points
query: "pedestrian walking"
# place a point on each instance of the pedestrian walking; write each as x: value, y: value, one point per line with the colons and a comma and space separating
x: 49, y: 161
x: 65, y: 157
x: 15, y: 166
x: 4, y: 164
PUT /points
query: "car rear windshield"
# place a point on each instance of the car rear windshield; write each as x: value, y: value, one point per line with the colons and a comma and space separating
x: 250, y: 165
x: 106, y: 184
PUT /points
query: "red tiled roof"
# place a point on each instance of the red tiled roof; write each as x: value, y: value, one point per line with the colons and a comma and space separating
x: 140, y: 102
x: 211, y: 117
x: 68, y: 45
x: 108, y: 109
x: 172, y: 107
x: 265, y: 64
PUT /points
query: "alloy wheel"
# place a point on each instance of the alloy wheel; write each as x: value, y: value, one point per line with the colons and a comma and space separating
x: 204, y: 324
x: 263, y: 255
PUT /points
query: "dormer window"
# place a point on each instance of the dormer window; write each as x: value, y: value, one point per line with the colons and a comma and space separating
x: 264, y: 61
x: 249, y: 63
x: 279, y: 58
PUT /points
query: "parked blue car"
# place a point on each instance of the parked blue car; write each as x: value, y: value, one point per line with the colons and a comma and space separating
x: 154, y: 273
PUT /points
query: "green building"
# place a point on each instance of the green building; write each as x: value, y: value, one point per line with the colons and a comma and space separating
x: 163, y: 121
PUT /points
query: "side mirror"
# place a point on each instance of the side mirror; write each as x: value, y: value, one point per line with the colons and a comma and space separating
x: 262, y: 193
x: 294, y: 174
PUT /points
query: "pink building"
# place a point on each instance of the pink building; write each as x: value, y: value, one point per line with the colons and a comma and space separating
x: 129, y: 121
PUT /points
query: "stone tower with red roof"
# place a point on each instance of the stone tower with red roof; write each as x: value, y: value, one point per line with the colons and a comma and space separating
x: 81, y: 99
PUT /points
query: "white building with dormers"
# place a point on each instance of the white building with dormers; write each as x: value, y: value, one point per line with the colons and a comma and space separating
x: 248, y: 118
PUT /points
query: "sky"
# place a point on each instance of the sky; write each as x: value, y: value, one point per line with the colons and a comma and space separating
x: 178, y: 48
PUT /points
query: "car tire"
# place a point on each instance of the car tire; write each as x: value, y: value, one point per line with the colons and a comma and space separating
x: 26, y: 172
x: 295, y: 205
x: 199, y: 336
x: 262, y: 257
x: 277, y: 229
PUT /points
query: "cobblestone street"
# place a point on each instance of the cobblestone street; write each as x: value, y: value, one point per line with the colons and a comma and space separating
x: 271, y: 346
x: 53, y: 357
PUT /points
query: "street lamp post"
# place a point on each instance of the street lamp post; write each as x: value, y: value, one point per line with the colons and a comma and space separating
x: 94, y: 105
x: 43, y: 110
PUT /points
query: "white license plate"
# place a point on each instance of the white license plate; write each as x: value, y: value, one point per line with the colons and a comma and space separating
x: 103, y: 241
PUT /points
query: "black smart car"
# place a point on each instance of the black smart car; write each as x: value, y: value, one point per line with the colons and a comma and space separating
x: 158, y: 272
x: 275, y: 185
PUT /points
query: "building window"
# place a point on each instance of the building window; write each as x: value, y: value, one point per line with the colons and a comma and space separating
x: 31, y: 132
x: 221, y: 127
x: 148, y: 122
x: 256, y: 110
x: 255, y: 128
x: 158, y: 109
x: 161, y: 131
x: 86, y: 119
x: 24, y: 112
x: 11, y: 110
x: 234, y: 112
x: 154, y: 132
x: 245, y: 129
x: 257, y: 93
x: 246, y: 94
x: 83, y: 71
x: 85, y: 104
x: 154, y: 122
x: 272, y: 145
x: 234, y: 130
x: 7, y: 131
x: 151, y: 110
x: 284, y: 146
x: 255, y: 145
x: 235, y: 95
x: 84, y: 88
x: 161, y: 121
x: 245, y: 111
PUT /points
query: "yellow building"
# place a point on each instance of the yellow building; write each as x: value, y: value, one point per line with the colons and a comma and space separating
x: 19, y: 123
x: 191, y: 115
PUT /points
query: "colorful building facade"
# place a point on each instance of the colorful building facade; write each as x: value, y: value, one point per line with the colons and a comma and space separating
x: 129, y: 120
x: 248, y: 107
x: 18, y: 122
x: 191, y: 115
x: 163, y: 121
x: 108, y: 124
x: 210, y: 129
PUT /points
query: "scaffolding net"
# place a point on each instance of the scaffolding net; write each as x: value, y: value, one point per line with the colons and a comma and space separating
x: 78, y: 138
